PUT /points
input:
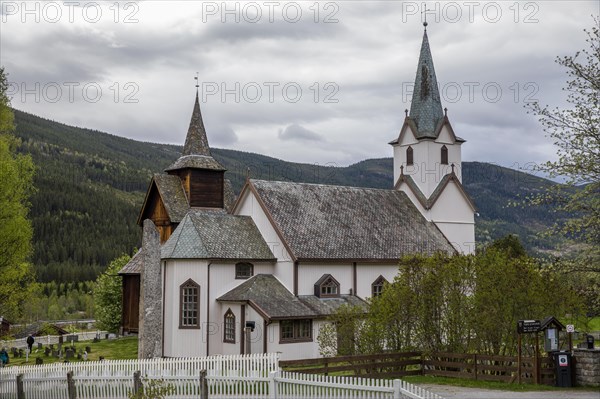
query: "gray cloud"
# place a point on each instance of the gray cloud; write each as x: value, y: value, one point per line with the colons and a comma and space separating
x: 369, y: 54
x: 297, y: 132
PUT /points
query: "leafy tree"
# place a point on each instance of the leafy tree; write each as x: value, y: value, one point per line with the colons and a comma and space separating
x: 457, y: 303
x: 16, y: 175
x: 107, y: 295
x: 576, y: 132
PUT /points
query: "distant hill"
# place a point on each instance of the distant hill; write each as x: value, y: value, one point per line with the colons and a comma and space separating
x: 90, y: 186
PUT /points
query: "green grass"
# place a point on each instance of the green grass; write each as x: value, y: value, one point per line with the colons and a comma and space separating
x: 595, y: 324
x: 122, y: 348
x: 503, y: 386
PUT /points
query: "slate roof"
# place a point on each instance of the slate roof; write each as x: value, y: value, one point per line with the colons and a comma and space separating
x: 196, y: 142
x: 196, y: 151
x: 322, y: 222
x: 195, y: 161
x: 274, y: 301
x: 426, y: 106
x: 135, y: 264
x: 215, y: 234
x: 173, y: 196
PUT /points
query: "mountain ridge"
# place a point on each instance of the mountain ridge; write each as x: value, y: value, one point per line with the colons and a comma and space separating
x: 90, y: 186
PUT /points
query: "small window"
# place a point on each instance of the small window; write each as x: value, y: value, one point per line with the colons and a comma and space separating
x: 229, y: 327
x: 327, y: 287
x: 244, y: 270
x: 409, y: 156
x: 295, y: 330
x: 189, y: 305
x: 377, y: 286
x: 444, y: 155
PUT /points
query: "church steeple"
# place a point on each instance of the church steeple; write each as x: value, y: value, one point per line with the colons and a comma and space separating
x: 196, y: 142
x: 426, y: 106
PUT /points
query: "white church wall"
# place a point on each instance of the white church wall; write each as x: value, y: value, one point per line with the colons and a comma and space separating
x: 256, y: 336
x: 296, y: 350
x: 284, y: 268
x: 367, y: 273
x: 309, y: 273
x: 217, y: 345
x: 184, y: 342
x: 455, y: 218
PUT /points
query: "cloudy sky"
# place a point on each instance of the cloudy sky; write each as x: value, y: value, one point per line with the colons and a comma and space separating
x: 322, y: 82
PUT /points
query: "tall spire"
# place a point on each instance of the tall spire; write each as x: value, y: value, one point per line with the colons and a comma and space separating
x: 196, y: 142
x: 426, y: 106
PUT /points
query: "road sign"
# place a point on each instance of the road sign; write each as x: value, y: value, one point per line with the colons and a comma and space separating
x: 528, y: 326
x: 570, y: 328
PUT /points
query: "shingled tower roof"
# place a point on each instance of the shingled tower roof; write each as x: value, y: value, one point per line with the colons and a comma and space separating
x: 196, y: 151
x: 196, y: 142
x: 426, y: 106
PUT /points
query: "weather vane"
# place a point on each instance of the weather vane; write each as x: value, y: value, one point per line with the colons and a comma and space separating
x: 196, y: 79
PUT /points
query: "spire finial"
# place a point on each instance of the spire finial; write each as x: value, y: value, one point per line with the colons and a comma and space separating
x: 452, y: 168
x: 406, y: 112
x: 446, y: 111
x: 401, y: 170
x: 424, y: 15
x: 197, y: 81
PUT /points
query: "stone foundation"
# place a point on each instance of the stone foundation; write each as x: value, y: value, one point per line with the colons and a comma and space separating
x: 587, y: 367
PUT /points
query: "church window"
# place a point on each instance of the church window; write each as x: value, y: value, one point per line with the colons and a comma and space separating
x: 409, y: 156
x: 327, y: 287
x: 295, y: 330
x: 244, y: 270
x: 229, y: 327
x: 444, y: 155
x: 189, y: 305
x: 377, y: 286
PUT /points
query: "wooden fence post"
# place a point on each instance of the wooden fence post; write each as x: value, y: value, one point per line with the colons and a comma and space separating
x: 137, y: 382
x: 203, y: 385
x: 71, y: 386
x: 20, y: 389
x: 475, y: 366
x: 397, y: 390
x: 273, y: 384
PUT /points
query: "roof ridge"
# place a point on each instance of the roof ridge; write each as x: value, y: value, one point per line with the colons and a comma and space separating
x: 320, y: 185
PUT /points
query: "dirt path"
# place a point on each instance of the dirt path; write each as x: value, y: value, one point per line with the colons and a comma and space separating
x: 451, y: 392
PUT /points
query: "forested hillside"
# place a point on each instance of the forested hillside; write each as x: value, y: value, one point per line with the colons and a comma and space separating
x: 90, y: 186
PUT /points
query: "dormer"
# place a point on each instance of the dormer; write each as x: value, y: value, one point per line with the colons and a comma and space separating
x: 327, y: 287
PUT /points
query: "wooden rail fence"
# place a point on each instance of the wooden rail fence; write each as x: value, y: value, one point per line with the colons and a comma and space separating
x: 470, y: 366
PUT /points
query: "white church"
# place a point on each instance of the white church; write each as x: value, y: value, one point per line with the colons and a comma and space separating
x: 263, y: 273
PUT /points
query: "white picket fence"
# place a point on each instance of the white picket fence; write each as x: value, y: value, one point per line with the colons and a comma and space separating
x: 227, y: 377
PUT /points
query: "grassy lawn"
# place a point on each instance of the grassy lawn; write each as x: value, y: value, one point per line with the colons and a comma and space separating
x: 595, y: 324
x: 461, y: 382
x: 122, y: 348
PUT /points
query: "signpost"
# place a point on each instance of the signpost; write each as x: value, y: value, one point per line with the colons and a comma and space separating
x: 528, y: 327
x: 570, y: 331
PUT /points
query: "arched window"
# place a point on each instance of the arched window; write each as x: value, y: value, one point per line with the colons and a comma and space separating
x: 327, y: 287
x: 229, y: 327
x: 444, y: 155
x: 409, y: 156
x: 189, y: 305
x: 377, y: 286
x: 244, y: 270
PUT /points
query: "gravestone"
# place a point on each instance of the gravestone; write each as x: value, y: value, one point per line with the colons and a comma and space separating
x: 47, y: 351
x: 21, y: 353
x: 69, y: 353
x: 79, y: 356
x: 39, y: 360
x: 88, y: 349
